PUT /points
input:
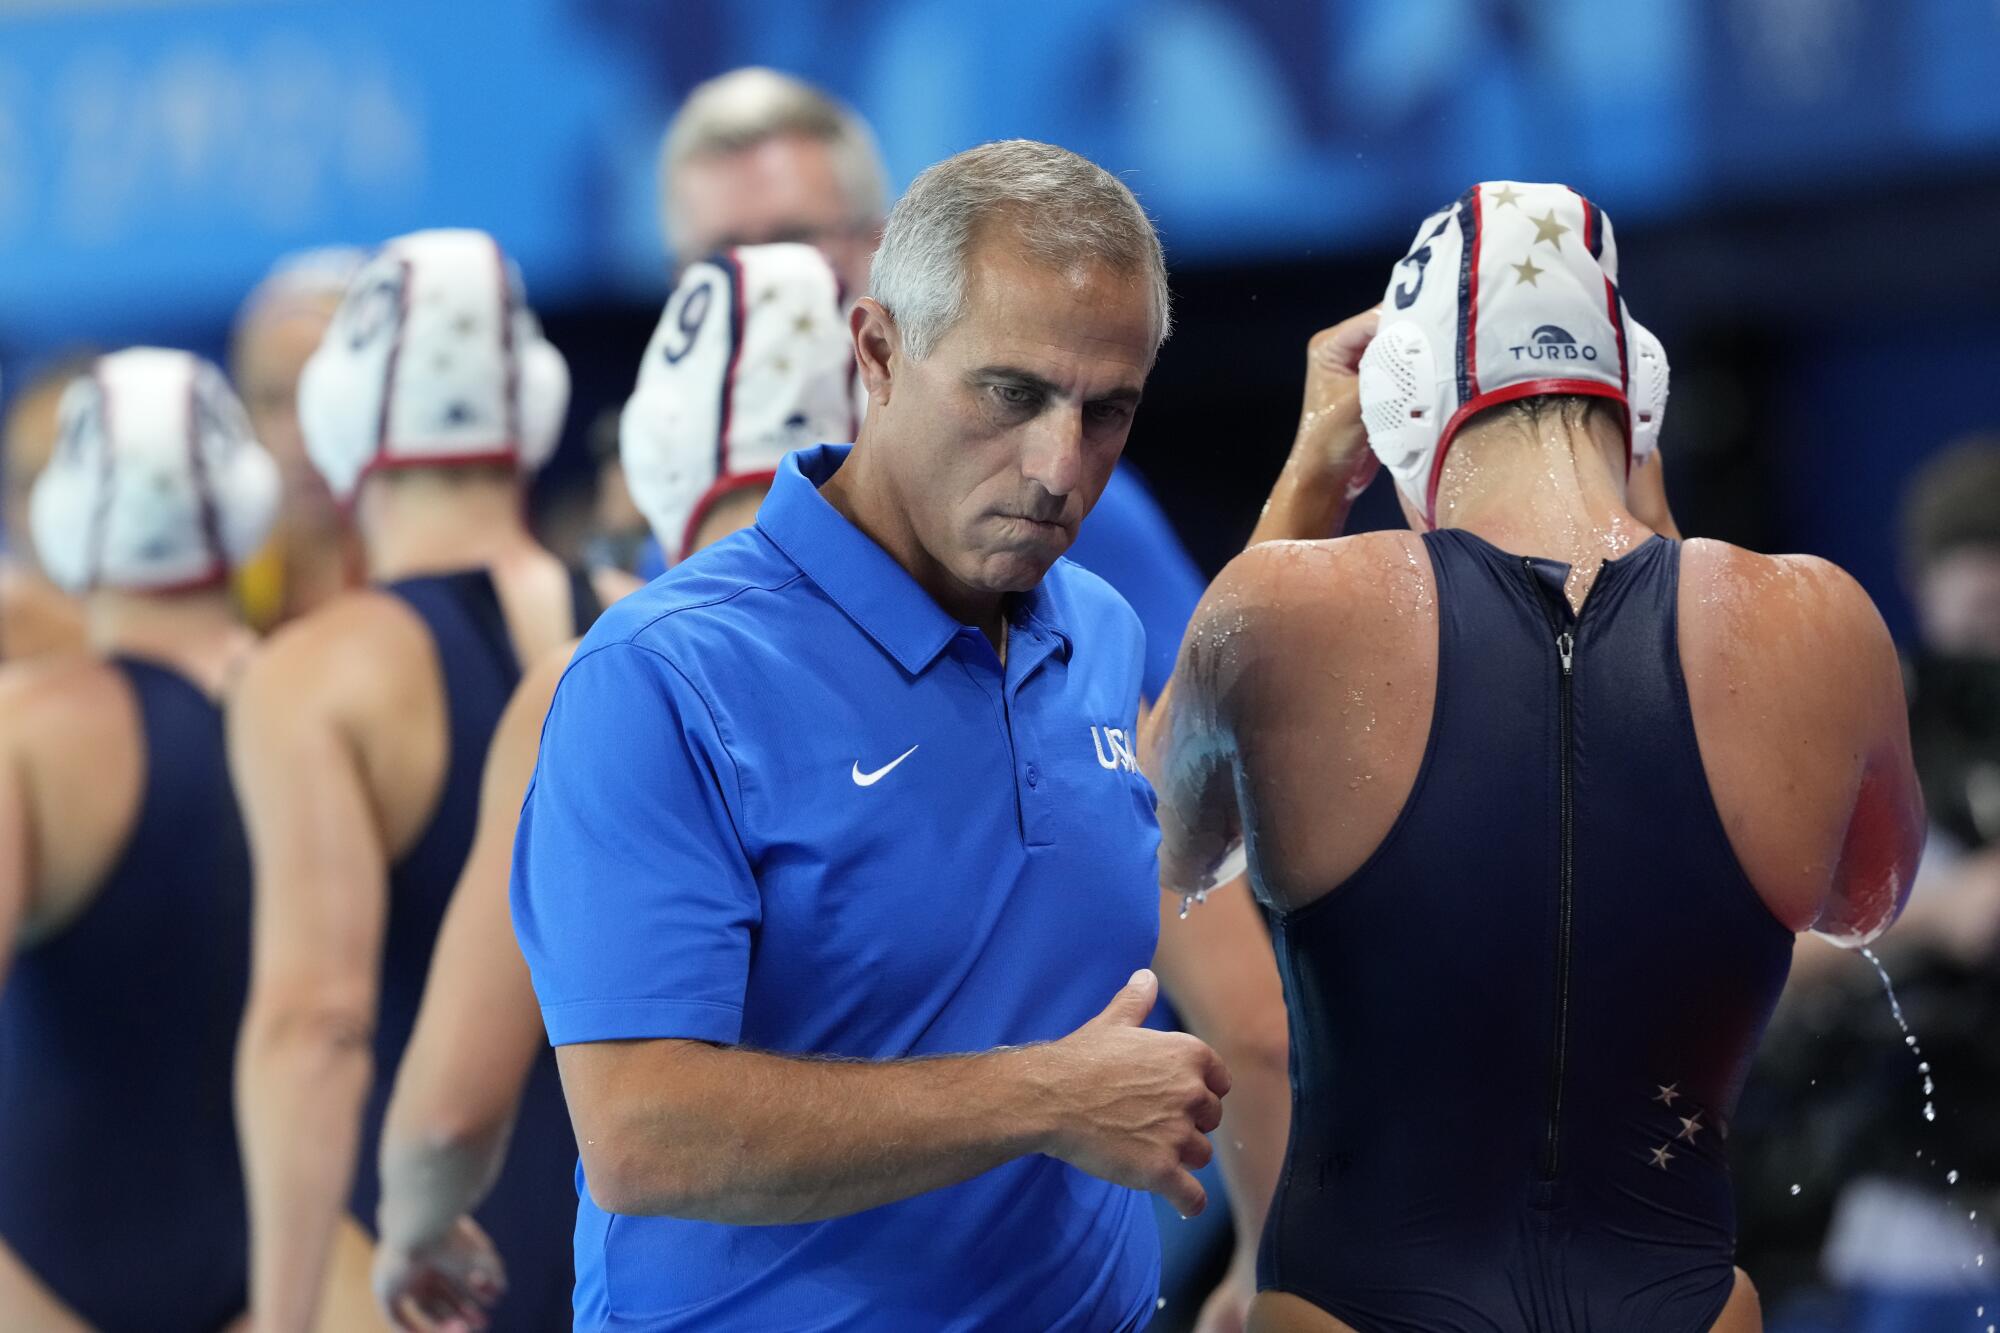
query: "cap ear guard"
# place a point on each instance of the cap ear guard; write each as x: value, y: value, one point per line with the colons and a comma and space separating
x: 1400, y: 405
x: 241, y: 475
x: 1647, y: 395
x: 544, y: 391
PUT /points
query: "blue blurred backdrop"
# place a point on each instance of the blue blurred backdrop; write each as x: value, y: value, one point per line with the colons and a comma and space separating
x: 1804, y: 188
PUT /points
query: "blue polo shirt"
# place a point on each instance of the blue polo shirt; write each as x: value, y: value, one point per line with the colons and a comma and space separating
x: 785, y: 801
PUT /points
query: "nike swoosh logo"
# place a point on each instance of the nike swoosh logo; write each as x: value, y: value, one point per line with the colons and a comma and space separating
x: 870, y: 779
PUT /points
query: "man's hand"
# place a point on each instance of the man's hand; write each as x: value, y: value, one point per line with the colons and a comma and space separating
x: 444, y: 1287
x: 1138, y: 1105
x: 1331, y: 444
x: 1330, y: 462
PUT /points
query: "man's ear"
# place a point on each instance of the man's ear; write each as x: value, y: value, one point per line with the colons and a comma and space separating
x: 877, y: 343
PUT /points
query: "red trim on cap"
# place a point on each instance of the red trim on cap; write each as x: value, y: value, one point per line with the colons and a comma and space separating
x: 385, y: 462
x: 218, y: 574
x: 510, y: 402
x: 1511, y: 393
x: 1615, y: 308
x: 211, y: 526
x: 711, y: 497
x: 389, y: 366
x: 1472, y: 300
x: 736, y: 341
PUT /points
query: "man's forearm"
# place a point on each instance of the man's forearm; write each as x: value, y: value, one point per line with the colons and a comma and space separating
x: 1305, y: 504
x: 299, y: 1092
x: 763, y: 1138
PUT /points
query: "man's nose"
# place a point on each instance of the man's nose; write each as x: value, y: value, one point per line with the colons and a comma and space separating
x: 1052, y: 454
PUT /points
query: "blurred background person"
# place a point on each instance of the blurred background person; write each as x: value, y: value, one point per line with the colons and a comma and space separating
x: 124, y: 877
x: 312, y: 554
x: 356, y: 744
x: 703, y: 434
x: 35, y: 615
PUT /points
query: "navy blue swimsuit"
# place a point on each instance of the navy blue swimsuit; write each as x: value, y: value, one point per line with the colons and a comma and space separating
x: 119, y: 1179
x: 1518, y: 1031
x: 531, y: 1213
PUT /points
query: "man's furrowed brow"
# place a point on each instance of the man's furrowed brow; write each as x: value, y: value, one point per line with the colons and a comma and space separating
x: 1124, y: 394
x: 1016, y: 376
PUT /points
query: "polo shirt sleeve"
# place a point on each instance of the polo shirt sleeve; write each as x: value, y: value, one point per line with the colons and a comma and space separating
x: 633, y: 899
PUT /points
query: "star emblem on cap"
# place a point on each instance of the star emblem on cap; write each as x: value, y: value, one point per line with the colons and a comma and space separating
x: 1504, y: 196
x: 1548, y: 229
x: 1661, y: 1157
x: 1690, y: 1126
x: 1527, y: 271
x: 1666, y: 1094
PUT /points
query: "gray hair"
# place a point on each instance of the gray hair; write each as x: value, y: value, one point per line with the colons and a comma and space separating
x: 743, y: 108
x: 1061, y: 209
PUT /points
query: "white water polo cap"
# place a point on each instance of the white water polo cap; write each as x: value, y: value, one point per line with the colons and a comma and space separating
x: 155, y: 483
x: 432, y: 360
x: 1511, y: 292
x: 750, y: 361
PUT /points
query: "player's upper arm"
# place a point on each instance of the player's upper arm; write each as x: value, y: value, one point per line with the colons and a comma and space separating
x: 321, y: 889
x: 1885, y: 832
x: 633, y: 894
x: 478, y: 1031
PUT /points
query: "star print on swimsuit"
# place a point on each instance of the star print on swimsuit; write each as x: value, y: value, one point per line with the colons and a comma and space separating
x: 1690, y: 1126
x: 1667, y: 1093
x: 1661, y: 1156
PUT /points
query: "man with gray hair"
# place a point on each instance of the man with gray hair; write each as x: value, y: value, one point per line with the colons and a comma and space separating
x: 836, y: 879
x: 755, y: 156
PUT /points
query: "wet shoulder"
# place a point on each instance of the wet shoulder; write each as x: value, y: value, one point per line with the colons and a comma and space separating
x: 364, y: 655
x: 1286, y: 587
x: 1737, y: 605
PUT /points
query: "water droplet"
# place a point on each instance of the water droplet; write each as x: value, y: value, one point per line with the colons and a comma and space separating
x: 1951, y: 1177
x: 1930, y: 1112
x: 1160, y: 1304
x: 1795, y: 1189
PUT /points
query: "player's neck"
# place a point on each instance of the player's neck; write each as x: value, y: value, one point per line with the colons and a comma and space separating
x: 418, y: 525
x: 197, y: 633
x: 1547, y: 491
x: 871, y: 504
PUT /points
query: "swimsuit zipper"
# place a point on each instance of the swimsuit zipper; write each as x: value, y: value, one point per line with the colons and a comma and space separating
x: 1566, y: 885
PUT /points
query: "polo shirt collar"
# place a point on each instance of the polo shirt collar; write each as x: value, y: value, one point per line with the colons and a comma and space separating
x: 860, y: 577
